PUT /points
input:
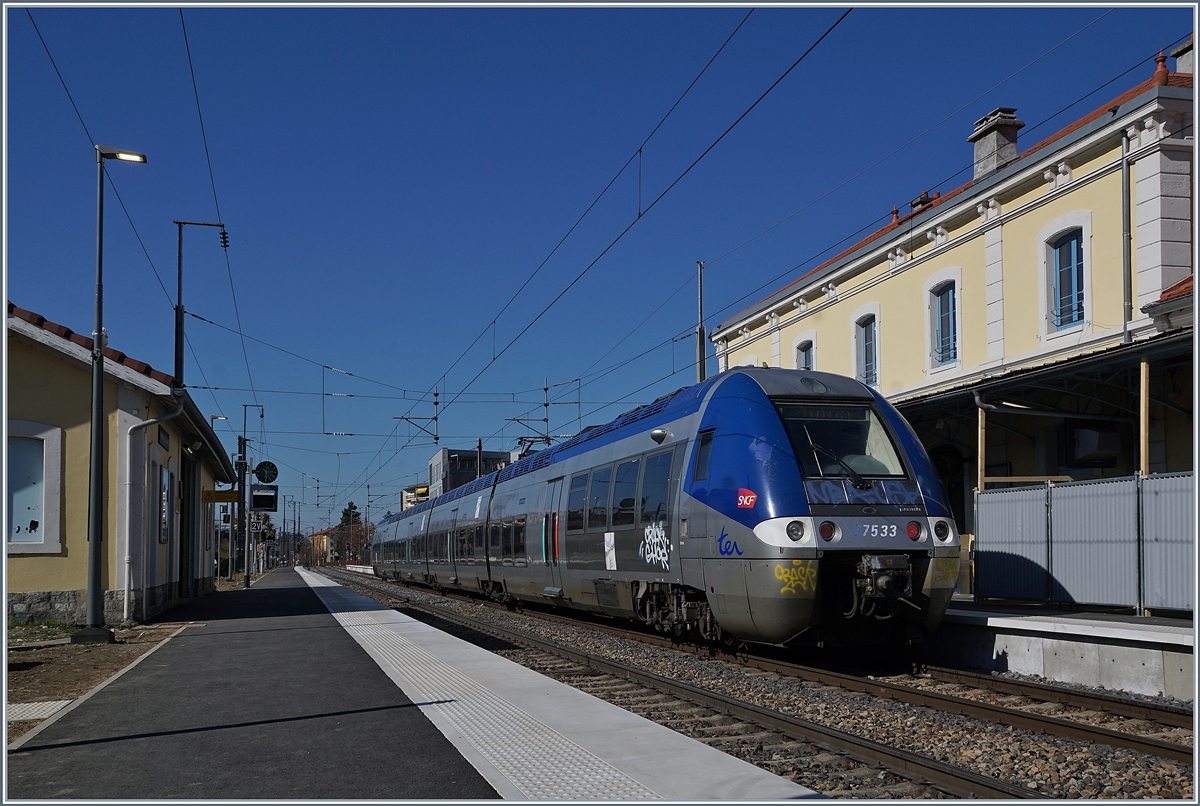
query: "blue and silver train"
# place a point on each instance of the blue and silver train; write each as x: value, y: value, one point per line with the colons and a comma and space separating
x: 768, y: 506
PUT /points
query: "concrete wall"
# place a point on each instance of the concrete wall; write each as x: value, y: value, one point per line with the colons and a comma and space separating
x: 1147, y: 667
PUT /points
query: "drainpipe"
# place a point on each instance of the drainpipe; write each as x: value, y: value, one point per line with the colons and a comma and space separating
x: 1126, y: 240
x: 129, y: 511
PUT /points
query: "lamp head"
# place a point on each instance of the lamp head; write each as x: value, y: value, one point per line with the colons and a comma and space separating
x: 109, y: 153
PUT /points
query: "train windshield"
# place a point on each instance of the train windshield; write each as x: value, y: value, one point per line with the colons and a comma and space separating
x: 847, y: 441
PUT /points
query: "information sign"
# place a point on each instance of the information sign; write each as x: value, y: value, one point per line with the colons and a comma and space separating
x: 219, y: 496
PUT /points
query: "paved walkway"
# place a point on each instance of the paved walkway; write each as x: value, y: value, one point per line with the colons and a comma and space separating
x: 266, y: 697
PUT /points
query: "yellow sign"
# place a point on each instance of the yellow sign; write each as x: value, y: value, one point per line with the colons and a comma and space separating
x: 219, y: 496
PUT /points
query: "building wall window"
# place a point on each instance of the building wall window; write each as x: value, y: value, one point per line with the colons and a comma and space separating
x: 1064, y: 263
x: 943, y: 304
x: 1067, y: 296
x: 804, y: 349
x: 945, y: 324
x: 34, y: 479
x: 865, y: 343
x: 26, y: 489
x: 804, y: 355
x: 164, y: 504
x: 868, y: 333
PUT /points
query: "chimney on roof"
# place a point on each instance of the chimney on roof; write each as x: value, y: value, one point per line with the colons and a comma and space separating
x: 1184, y: 58
x: 995, y: 139
x: 924, y: 200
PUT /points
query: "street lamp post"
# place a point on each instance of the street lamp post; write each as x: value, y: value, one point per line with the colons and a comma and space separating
x: 95, y: 632
x: 245, y: 489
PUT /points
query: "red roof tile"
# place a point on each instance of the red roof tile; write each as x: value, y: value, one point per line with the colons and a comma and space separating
x: 1173, y: 80
x: 64, y: 332
x: 1181, y: 289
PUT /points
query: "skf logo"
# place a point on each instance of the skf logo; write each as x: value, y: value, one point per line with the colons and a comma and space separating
x: 746, y: 498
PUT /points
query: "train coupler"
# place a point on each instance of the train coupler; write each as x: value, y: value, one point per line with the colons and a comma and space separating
x: 887, y: 576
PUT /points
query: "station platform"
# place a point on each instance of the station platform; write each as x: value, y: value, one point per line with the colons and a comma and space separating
x: 1147, y: 655
x: 298, y: 688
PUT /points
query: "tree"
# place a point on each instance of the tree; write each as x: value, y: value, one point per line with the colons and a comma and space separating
x: 350, y: 531
x: 350, y: 516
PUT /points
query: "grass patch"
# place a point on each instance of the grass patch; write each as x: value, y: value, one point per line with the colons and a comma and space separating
x: 39, y: 631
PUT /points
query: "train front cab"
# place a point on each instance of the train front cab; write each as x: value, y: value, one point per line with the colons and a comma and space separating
x: 806, y: 490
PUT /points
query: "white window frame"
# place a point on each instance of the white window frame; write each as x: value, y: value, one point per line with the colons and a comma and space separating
x: 52, y: 471
x: 809, y: 336
x: 935, y: 281
x: 861, y: 313
x: 1080, y: 220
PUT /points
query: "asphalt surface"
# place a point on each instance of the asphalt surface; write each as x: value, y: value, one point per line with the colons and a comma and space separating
x: 266, y: 697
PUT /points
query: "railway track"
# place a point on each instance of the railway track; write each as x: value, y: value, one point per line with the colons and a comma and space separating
x: 823, y: 758
x: 1048, y: 709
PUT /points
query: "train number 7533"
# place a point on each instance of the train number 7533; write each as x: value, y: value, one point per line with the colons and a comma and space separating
x: 875, y: 530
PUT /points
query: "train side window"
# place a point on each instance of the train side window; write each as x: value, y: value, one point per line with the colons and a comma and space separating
x: 703, y: 455
x: 479, y: 540
x: 656, y: 487
x: 625, y: 494
x: 506, y: 531
x: 598, y: 498
x: 576, y: 503
x: 519, y: 538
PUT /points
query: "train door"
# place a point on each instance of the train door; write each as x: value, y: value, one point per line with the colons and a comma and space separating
x: 452, y: 548
x: 551, y: 540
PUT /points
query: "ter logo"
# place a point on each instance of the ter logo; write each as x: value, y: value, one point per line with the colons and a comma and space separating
x: 746, y: 498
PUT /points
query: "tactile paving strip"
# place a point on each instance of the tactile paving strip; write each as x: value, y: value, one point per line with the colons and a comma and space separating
x: 542, y: 763
x: 27, y: 711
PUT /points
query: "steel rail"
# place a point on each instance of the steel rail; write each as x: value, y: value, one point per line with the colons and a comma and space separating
x: 1054, y: 726
x: 1121, y: 706
x: 956, y: 780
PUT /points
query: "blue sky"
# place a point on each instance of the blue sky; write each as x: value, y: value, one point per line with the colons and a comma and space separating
x: 389, y: 177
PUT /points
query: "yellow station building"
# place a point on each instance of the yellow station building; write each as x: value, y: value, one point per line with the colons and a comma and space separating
x: 1036, y: 322
x: 160, y: 454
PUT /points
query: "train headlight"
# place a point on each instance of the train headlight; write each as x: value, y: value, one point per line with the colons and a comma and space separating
x: 942, y: 530
x: 828, y: 530
x: 913, y: 530
x: 795, y: 530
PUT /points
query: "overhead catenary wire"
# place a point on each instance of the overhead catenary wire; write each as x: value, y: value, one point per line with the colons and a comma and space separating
x: 116, y: 192
x: 791, y: 270
x: 658, y: 198
x: 216, y: 201
x: 92, y: 140
x: 640, y: 212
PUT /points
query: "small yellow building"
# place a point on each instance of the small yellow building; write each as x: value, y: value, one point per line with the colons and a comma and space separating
x: 1034, y: 323
x: 161, y: 452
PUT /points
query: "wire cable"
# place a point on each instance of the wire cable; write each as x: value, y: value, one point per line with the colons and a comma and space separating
x: 216, y: 202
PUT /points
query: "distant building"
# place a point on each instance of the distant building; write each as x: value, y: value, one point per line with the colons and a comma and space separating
x: 412, y: 495
x: 1024, y: 338
x: 158, y: 537
x: 453, y: 468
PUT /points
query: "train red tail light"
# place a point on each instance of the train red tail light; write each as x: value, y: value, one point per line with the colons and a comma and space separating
x: 913, y: 530
x: 828, y: 530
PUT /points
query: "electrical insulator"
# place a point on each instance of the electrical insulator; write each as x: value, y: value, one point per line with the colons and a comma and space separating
x: 224, y: 239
